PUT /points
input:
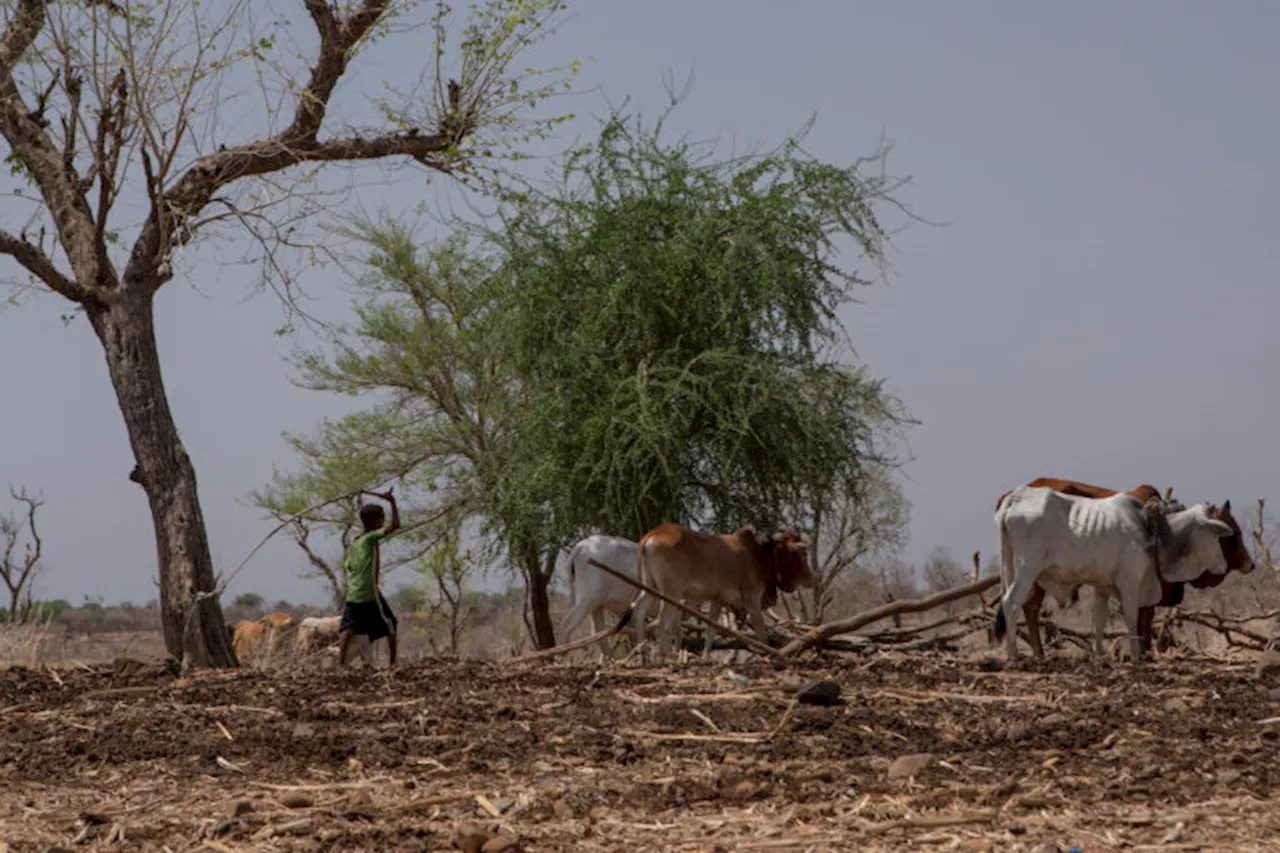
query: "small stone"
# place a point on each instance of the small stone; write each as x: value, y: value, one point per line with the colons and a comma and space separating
x: 1017, y: 829
x: 1229, y: 777
x: 296, y: 800
x: 301, y: 731
x: 1273, y: 693
x: 469, y: 837
x: 910, y: 765
x: 241, y: 807
x: 990, y: 664
x: 1175, y: 705
x: 825, y: 692
x: 500, y: 843
x: 563, y: 810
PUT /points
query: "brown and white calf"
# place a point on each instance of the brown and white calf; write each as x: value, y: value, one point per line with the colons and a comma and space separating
x: 738, y: 571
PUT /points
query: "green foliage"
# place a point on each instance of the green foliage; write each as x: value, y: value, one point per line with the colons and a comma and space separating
x: 672, y: 320
x: 248, y: 599
x: 650, y: 336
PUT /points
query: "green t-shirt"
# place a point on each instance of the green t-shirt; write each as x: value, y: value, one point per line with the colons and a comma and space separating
x: 359, y: 566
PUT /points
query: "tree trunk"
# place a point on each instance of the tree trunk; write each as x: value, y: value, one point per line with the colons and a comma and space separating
x: 194, y: 630
x: 538, y: 584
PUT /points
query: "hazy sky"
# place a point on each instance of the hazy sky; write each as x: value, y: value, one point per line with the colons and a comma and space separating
x: 1096, y: 306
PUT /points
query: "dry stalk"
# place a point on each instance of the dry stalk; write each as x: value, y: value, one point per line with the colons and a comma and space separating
x: 1260, y: 541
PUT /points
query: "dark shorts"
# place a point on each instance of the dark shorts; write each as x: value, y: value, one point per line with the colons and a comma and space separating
x: 365, y: 618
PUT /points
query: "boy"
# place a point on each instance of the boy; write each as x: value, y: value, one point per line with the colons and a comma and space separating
x: 366, y: 611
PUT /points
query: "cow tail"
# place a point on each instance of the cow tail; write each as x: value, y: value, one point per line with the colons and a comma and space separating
x: 573, y: 580
x: 1006, y: 568
x: 631, y: 608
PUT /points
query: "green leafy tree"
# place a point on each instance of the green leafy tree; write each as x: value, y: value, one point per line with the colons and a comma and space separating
x: 673, y: 328
x: 114, y: 116
x: 250, y: 600
x: 422, y: 342
x: 649, y: 336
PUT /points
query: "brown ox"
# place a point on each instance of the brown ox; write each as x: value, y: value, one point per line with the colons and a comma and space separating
x: 248, y: 636
x: 739, y: 571
x: 1171, y: 594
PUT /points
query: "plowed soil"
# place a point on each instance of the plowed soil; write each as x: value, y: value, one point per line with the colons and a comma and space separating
x: 705, y: 756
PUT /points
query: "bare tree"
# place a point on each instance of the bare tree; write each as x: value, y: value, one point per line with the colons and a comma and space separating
x: 941, y: 571
x: 851, y: 532
x: 110, y: 109
x: 19, y: 573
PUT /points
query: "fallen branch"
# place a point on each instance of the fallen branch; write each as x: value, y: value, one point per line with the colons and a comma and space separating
x: 1226, y: 628
x: 751, y: 643
x: 913, y: 605
x: 555, y: 651
x: 942, y: 640
x: 902, y: 635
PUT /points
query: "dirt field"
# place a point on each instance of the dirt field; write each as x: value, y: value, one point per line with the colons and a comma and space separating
x: 618, y: 758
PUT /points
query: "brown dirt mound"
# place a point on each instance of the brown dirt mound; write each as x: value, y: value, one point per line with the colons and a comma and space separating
x: 1099, y: 756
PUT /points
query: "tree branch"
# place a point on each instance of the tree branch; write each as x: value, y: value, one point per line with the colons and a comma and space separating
x: 171, y: 214
x: 41, y: 266
x: 34, y: 150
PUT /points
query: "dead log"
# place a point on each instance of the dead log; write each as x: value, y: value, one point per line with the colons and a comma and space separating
x: 850, y: 624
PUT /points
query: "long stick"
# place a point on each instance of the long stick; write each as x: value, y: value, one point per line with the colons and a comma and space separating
x: 750, y: 642
x: 567, y: 647
x: 911, y: 605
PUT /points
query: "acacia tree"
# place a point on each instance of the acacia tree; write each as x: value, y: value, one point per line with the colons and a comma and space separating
x: 19, y: 573
x: 110, y: 109
x: 420, y: 341
x: 644, y: 338
x: 672, y: 326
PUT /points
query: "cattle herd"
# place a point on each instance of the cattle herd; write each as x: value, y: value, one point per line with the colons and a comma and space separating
x: 1054, y: 536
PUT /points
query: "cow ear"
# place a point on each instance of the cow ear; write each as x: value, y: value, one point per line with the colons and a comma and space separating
x: 1226, y: 505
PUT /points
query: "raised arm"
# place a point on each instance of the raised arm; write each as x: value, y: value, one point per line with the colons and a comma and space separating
x: 394, y: 524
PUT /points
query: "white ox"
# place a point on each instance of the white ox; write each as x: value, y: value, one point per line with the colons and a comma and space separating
x: 320, y: 632
x: 1062, y: 542
x: 595, y: 593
